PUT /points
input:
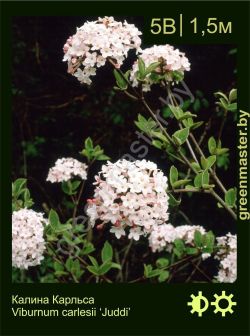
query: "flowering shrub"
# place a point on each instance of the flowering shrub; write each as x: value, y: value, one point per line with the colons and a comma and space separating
x: 130, y: 195
x: 95, y: 42
x: 169, y: 64
x: 65, y: 169
x: 28, y: 243
x: 133, y: 200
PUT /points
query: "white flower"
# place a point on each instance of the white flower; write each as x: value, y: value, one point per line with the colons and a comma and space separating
x: 135, y: 233
x: 128, y: 196
x: 170, y: 60
x: 118, y: 231
x: 28, y: 244
x: 94, y: 42
x: 67, y: 168
x: 205, y: 256
x: 163, y: 236
x: 227, y: 255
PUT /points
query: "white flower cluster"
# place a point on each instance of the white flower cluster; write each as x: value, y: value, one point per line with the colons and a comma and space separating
x: 67, y: 168
x: 28, y: 244
x: 163, y: 237
x: 130, y: 195
x: 95, y: 42
x: 227, y: 255
x: 170, y: 60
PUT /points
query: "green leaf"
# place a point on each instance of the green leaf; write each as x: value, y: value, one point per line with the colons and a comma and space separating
x: 145, y: 125
x: 141, y: 67
x: 177, y: 252
x: 102, y: 157
x: 221, y: 95
x: 62, y: 227
x: 205, y: 178
x: 156, y: 143
x: 181, y: 136
x: 197, y: 105
x: 120, y: 81
x: 115, y: 265
x: 162, y: 262
x: 197, y: 124
x: 208, y: 240
x: 204, y: 163
x: 69, y: 264
x: 230, y: 197
x: 88, y: 247
x: 177, y: 75
x: 196, y: 166
x: 93, y: 270
x: 187, y: 115
x: 88, y: 143
x: 186, y: 104
x: 163, y: 276
x: 147, y: 270
x: 177, y: 111
x: 107, y: 252
x: 192, y: 250
x: 223, y: 103
x: 154, y: 273
x: 152, y: 67
x: 18, y: 186
x: 198, y: 180
x: 70, y: 187
x: 198, y: 238
x: 173, y: 175
x: 179, y: 183
x: 233, y: 95
x: 58, y: 267
x: 105, y: 267
x: 54, y: 220
x: 212, y: 145
x: 199, y: 93
x: 160, y: 136
x: 173, y: 201
x: 232, y: 107
x: 205, y: 102
x: 220, y: 151
x: 210, y: 161
x: 94, y: 261
x: 179, y: 244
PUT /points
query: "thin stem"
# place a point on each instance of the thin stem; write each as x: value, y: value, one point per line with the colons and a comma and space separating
x: 208, y: 191
x: 126, y: 253
x: 183, y: 157
x: 220, y: 200
x: 201, y: 271
x: 77, y: 201
x: 194, y: 270
x: 173, y: 101
x: 185, y: 217
x: 130, y: 95
x: 215, y: 177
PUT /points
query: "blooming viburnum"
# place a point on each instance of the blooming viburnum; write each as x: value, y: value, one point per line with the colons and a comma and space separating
x: 227, y: 255
x: 131, y: 196
x: 173, y: 63
x: 163, y: 237
x: 95, y: 42
x: 67, y: 168
x: 28, y: 244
